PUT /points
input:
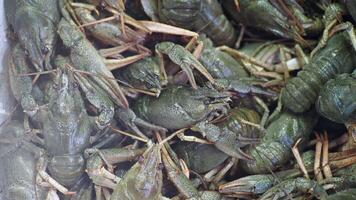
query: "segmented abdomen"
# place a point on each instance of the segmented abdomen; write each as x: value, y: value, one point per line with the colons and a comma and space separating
x: 301, y: 91
x: 235, y: 122
x: 18, y: 164
x: 275, y: 148
x: 337, y: 99
x: 203, y: 16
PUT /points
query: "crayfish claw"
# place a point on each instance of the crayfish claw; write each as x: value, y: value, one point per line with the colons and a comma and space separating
x: 130, y: 119
x: 243, y: 86
x: 248, y: 186
x: 150, y: 126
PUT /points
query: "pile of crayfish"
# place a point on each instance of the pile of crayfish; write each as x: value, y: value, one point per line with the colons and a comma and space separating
x: 173, y: 99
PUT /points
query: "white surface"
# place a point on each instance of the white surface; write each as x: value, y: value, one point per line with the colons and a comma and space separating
x: 6, y: 102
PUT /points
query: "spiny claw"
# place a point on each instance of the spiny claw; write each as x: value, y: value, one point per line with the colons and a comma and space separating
x: 249, y: 185
x: 90, y: 62
x: 175, y: 175
x: 243, y: 86
x: 94, y: 96
x: 21, y: 86
x: 180, y: 56
x: 97, y: 159
x: 129, y: 118
x: 224, y: 139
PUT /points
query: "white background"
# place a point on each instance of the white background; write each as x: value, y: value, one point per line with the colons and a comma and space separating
x: 4, y: 95
x: 6, y: 102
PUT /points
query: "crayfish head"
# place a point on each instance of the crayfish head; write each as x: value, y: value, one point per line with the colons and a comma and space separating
x: 38, y: 40
x: 208, y: 103
x: 218, y: 106
x: 65, y: 101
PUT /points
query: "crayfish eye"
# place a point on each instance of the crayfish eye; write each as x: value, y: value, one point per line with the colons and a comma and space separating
x: 253, y: 188
x: 149, y: 85
x: 27, y: 53
x: 45, y: 49
x: 55, y: 86
x: 160, y: 166
x: 76, y: 85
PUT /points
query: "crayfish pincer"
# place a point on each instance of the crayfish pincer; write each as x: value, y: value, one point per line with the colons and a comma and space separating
x: 181, y: 107
x: 85, y: 57
x: 180, y: 56
x: 21, y: 86
x: 35, y: 24
x: 232, y: 134
x: 182, y: 183
x: 225, y: 140
x: 335, y: 58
